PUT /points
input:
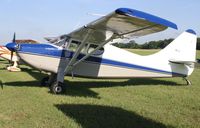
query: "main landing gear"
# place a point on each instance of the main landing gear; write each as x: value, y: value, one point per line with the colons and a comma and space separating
x: 54, y: 86
x: 57, y: 88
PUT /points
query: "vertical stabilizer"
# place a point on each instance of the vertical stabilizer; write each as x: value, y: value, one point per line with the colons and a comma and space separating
x: 183, y: 48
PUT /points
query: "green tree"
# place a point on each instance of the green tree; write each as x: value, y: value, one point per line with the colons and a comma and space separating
x: 149, y: 45
x: 198, y: 44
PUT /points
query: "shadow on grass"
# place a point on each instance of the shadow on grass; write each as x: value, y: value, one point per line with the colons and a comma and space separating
x: 34, y: 83
x: 97, y: 116
x: 1, y: 60
x: 34, y: 73
x: 83, y: 88
x: 4, y: 63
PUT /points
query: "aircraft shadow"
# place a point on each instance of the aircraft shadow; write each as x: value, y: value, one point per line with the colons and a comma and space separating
x: 98, y: 116
x: 84, y: 88
x: 2, y: 60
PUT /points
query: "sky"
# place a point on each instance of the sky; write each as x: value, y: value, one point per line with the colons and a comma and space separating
x: 35, y: 19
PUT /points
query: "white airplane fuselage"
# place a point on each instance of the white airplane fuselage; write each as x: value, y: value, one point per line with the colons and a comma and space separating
x: 113, y: 63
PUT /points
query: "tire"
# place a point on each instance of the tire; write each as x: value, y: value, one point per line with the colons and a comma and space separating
x: 44, y: 81
x: 56, y: 88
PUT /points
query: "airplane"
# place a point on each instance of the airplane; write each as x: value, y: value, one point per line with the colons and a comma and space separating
x: 86, y: 52
x: 6, y: 54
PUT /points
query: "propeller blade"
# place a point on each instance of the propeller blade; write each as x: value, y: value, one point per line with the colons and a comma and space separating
x: 11, y: 56
x: 14, y: 41
x: 14, y: 37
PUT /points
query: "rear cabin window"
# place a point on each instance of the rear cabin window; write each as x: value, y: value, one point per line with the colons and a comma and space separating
x: 92, y: 47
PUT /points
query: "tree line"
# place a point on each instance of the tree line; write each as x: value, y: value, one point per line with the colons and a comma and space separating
x: 149, y: 45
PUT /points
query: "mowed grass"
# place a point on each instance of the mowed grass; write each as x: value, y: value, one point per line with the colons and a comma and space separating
x: 143, y: 51
x: 90, y: 103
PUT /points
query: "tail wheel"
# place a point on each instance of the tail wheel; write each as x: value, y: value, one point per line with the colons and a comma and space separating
x: 56, y: 88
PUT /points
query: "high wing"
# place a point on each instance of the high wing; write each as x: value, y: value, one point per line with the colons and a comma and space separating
x: 123, y: 22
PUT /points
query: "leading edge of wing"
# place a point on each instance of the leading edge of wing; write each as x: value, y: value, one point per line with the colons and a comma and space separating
x: 122, y: 23
x: 145, y: 16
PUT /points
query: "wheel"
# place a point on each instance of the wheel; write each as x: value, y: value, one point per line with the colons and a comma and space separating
x: 56, y: 88
x: 44, y: 81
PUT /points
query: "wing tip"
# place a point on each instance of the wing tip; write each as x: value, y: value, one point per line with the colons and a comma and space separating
x: 146, y: 16
x: 191, y: 31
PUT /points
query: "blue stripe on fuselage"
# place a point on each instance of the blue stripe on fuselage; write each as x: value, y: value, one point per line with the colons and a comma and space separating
x: 53, y: 51
x: 43, y: 49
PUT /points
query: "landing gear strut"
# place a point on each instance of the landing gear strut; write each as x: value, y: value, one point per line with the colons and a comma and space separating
x: 188, y: 81
x: 14, y: 68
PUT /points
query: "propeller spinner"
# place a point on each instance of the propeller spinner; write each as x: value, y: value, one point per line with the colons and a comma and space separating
x: 12, y: 46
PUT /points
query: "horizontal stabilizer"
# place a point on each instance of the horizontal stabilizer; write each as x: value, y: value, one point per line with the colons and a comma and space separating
x: 182, y: 62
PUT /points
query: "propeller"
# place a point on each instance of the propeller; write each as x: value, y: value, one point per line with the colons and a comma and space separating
x: 11, y: 55
x: 14, y: 38
x: 12, y: 52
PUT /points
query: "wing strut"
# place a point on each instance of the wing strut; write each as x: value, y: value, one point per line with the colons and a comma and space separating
x: 73, y: 59
x: 97, y: 48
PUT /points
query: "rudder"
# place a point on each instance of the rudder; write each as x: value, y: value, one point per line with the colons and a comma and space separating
x: 183, y: 48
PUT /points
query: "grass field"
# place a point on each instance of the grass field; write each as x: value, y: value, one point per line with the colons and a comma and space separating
x: 89, y: 103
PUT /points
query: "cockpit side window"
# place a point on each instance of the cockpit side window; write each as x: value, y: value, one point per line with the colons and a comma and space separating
x: 88, y: 48
x: 73, y: 45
